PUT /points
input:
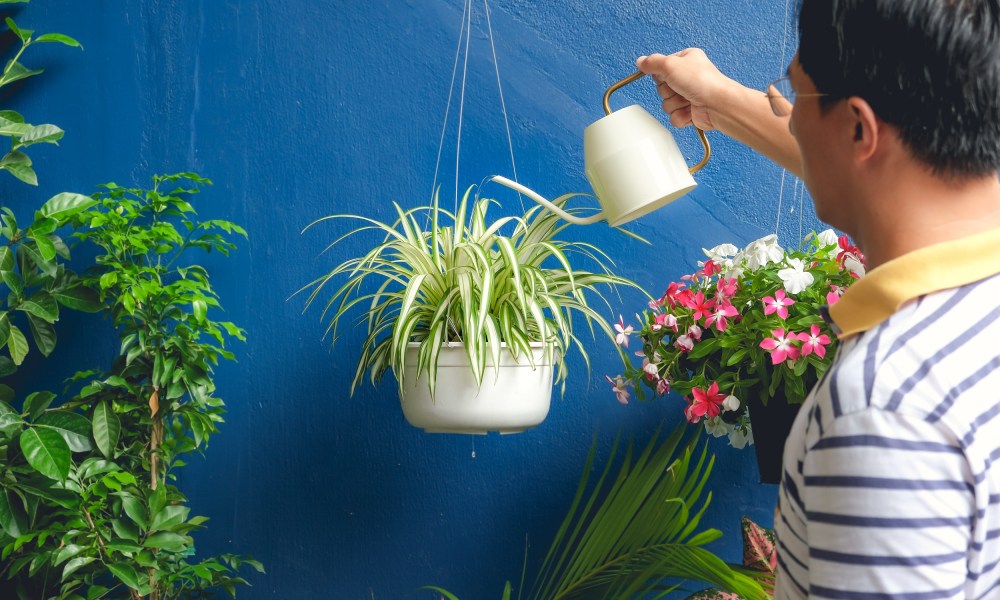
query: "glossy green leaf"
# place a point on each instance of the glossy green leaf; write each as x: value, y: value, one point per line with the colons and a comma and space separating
x: 136, y: 511
x: 58, y: 38
x: 79, y: 298
x: 107, y: 428
x: 4, y: 328
x: 7, y: 367
x: 66, y: 204
x: 169, y: 541
x: 17, y: 344
x: 6, y: 258
x: 46, y: 451
x: 200, y: 310
x: 126, y: 574
x: 45, y: 247
x: 38, y: 134
x: 42, y: 305
x: 73, y: 427
x: 36, y: 403
x: 65, y: 553
x: 14, y: 282
x: 13, y: 518
x: 23, y: 34
x: 169, y: 517
x: 19, y: 165
x: 76, y: 564
x: 43, y: 333
x: 16, y: 71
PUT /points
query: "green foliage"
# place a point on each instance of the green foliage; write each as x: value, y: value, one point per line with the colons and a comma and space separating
x: 634, y: 533
x: 89, y: 508
x: 12, y: 124
x: 458, y: 278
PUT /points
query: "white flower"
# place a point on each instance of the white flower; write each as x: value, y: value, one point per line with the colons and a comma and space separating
x: 717, y: 427
x: 731, y: 402
x: 795, y: 277
x: 854, y: 265
x: 763, y: 251
x: 739, y: 439
x: 720, y: 253
x: 829, y: 238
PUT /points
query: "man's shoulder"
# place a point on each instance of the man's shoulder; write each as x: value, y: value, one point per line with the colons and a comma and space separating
x: 936, y: 359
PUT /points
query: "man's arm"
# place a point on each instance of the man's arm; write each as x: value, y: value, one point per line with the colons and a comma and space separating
x: 889, y: 509
x: 695, y: 91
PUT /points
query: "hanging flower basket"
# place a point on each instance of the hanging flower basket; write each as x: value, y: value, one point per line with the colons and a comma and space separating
x: 742, y: 340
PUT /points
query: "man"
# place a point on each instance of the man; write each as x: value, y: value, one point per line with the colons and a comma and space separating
x: 891, y: 484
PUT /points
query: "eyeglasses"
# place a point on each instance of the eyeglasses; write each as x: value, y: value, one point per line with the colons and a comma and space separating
x: 781, y: 95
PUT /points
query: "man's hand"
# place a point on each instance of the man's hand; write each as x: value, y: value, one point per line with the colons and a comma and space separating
x: 689, y: 84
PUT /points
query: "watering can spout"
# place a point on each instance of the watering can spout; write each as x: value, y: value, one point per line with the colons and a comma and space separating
x: 547, y: 204
x: 631, y: 161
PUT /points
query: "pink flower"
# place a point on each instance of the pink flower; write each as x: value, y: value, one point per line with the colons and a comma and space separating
x: 718, y: 318
x: 780, y: 346
x: 700, y: 306
x: 662, y: 386
x: 834, y: 295
x: 705, y: 403
x: 814, y: 342
x: 620, y: 387
x: 623, y: 332
x: 778, y: 303
x: 650, y: 369
x: 670, y: 297
x: 694, y: 332
x: 710, y: 268
x: 664, y: 320
x: 684, y: 343
x: 726, y: 288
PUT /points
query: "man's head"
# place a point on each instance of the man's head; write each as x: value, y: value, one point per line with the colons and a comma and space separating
x: 929, y: 68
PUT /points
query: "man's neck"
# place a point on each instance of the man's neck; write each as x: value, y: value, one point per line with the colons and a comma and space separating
x: 921, y: 209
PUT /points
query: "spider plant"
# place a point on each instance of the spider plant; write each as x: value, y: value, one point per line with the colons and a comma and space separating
x: 438, y: 278
x: 635, y: 535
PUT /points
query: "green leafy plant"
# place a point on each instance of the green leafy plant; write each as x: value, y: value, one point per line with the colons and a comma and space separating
x: 88, y: 506
x: 12, y: 124
x: 458, y: 278
x: 634, y: 533
x: 33, y: 257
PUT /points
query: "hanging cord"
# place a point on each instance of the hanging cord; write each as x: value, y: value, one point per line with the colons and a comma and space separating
x: 781, y: 193
x: 781, y: 69
x: 802, y: 196
x: 451, y: 89
x: 461, y: 97
x: 503, y: 105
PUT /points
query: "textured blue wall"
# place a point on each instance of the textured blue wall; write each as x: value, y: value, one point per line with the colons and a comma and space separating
x: 301, y: 109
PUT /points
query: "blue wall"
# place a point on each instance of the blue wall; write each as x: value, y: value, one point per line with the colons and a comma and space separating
x: 302, y: 109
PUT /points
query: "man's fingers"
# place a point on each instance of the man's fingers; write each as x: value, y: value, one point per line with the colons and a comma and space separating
x: 681, y: 117
x: 675, y: 103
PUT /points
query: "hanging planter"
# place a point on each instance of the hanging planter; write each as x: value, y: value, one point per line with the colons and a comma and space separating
x: 771, y: 424
x: 511, y: 398
x: 448, y: 296
x: 742, y: 339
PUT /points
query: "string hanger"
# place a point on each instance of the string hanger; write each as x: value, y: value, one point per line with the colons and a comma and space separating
x: 462, y: 53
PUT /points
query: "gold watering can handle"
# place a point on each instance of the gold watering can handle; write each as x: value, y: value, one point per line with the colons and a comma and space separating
x: 701, y: 134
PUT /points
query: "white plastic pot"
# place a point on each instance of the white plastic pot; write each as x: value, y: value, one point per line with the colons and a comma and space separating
x: 510, y: 401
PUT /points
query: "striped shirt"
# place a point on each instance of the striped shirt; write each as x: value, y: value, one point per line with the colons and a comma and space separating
x: 891, y: 485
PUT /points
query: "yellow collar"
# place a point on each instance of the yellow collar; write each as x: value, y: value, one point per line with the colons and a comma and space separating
x: 883, y: 290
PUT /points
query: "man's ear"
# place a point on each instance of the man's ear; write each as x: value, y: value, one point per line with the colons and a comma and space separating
x: 867, y: 128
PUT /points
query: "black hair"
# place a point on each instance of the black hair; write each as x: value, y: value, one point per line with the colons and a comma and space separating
x: 930, y: 68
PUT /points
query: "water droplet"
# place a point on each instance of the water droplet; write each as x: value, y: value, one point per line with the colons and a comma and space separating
x: 473, y: 454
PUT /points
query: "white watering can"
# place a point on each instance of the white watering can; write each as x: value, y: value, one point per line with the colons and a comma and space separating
x: 632, y: 162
